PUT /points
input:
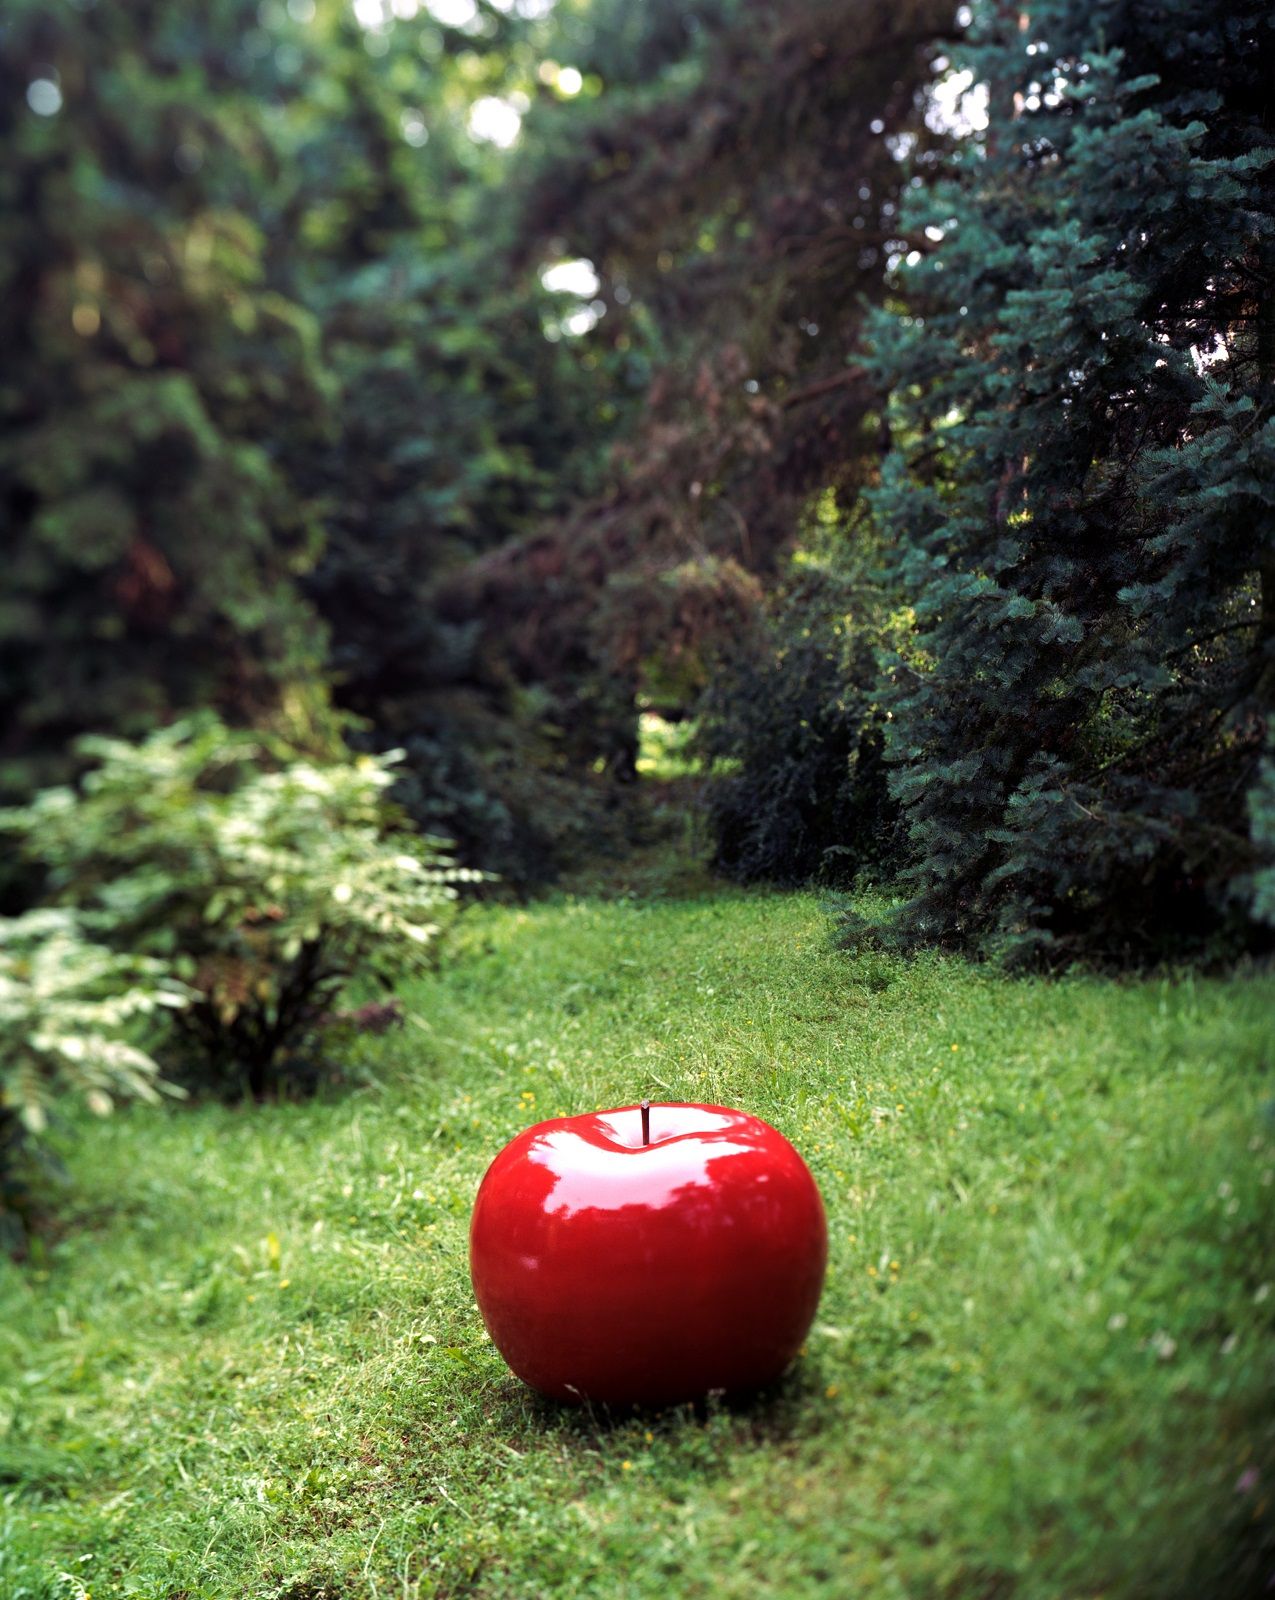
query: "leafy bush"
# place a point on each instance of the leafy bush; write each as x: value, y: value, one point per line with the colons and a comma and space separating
x: 264, y: 881
x: 800, y: 791
x: 66, y: 1008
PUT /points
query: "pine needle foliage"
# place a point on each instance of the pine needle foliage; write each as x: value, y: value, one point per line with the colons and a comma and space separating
x: 1081, y: 489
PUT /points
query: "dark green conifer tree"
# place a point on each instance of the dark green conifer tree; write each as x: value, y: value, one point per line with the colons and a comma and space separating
x: 149, y: 374
x: 265, y: 378
x: 1081, y: 490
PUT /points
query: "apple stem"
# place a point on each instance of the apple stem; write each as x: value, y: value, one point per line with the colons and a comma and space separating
x: 646, y: 1122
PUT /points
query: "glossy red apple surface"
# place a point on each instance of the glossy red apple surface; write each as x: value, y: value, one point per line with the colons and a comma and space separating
x: 609, y: 1269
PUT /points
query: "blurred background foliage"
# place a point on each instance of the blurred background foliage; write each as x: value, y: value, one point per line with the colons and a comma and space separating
x: 887, y: 390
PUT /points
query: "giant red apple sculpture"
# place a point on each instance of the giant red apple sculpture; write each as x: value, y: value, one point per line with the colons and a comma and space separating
x: 646, y: 1256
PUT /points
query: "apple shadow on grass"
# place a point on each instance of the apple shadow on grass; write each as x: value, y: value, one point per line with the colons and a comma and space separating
x: 776, y: 1412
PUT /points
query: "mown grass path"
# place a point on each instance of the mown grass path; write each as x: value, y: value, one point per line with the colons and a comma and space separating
x: 247, y: 1362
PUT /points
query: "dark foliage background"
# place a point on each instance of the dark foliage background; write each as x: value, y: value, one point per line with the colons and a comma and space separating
x: 918, y: 446
x: 794, y: 739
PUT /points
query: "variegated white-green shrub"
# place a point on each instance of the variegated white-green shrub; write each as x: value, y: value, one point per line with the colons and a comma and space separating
x: 264, y: 880
x: 70, y: 1011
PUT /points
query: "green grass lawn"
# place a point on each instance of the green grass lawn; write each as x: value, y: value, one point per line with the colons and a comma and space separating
x: 246, y: 1361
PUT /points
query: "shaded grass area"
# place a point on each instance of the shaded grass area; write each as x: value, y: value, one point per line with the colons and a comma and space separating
x: 247, y: 1361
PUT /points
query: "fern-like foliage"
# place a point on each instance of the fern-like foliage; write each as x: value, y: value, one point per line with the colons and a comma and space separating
x: 262, y: 880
